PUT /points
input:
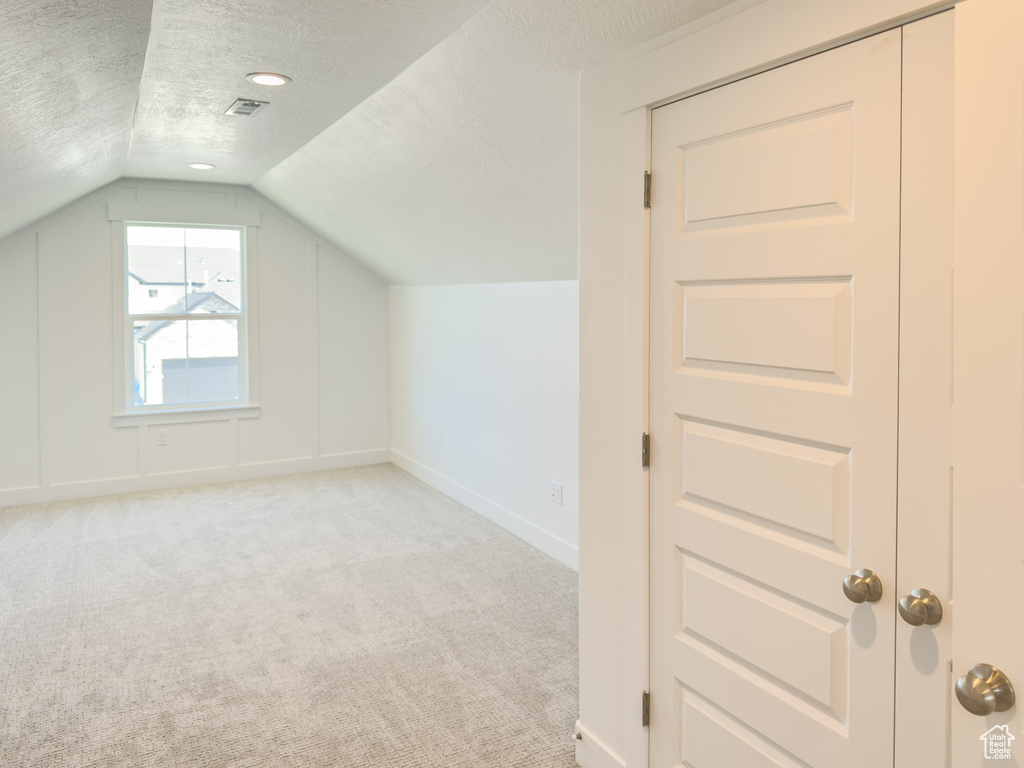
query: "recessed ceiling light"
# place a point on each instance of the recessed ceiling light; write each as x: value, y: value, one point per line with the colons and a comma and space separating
x: 200, y: 166
x: 267, y: 78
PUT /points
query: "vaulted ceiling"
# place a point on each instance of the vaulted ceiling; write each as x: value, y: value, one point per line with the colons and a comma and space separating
x: 433, y: 140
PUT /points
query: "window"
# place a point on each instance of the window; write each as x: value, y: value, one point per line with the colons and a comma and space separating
x: 185, y: 312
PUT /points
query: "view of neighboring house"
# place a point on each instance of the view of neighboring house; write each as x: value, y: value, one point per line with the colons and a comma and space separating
x: 180, y: 354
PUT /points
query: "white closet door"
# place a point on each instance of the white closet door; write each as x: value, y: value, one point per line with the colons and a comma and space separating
x: 988, y: 385
x: 774, y: 372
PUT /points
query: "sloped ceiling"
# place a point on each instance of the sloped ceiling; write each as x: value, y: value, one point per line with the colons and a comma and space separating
x: 69, y: 80
x: 464, y: 168
x: 434, y: 140
x: 337, y: 53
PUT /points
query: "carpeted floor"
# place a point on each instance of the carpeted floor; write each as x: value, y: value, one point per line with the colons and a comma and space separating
x: 347, y: 618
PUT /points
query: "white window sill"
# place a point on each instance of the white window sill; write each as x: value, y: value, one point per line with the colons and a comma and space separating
x: 183, y: 416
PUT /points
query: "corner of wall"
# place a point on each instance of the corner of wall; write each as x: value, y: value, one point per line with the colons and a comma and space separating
x: 545, y: 541
x: 484, y: 401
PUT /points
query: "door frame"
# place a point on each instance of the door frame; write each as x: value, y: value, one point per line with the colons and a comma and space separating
x: 743, y: 39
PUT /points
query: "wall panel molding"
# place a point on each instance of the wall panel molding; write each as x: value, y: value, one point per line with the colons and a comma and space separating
x: 83, y: 451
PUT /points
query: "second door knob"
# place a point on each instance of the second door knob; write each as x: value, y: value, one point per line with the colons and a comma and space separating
x: 921, y: 607
x: 863, y: 586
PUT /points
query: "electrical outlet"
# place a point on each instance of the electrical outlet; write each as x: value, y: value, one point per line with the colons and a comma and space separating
x: 161, y: 437
x: 556, y: 492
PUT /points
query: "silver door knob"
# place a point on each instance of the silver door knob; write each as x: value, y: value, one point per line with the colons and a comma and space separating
x: 984, y: 690
x: 921, y: 607
x: 863, y: 586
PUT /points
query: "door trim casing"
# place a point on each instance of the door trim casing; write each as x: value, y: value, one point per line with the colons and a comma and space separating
x: 697, y: 58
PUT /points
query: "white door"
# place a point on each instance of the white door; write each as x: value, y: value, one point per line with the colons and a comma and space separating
x: 775, y: 236
x: 988, y: 482
x: 988, y: 386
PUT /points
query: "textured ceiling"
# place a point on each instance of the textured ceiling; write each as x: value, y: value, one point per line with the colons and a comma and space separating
x: 337, y: 52
x: 69, y: 78
x: 464, y: 168
x: 434, y: 141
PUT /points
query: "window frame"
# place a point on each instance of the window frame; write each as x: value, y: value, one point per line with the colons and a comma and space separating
x: 240, y: 317
x: 125, y: 412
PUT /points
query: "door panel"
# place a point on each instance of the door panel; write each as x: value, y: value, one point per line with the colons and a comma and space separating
x: 751, y: 177
x: 798, y: 331
x: 774, y: 367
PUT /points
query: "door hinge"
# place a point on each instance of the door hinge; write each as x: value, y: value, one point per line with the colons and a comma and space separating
x: 646, y: 714
x: 647, y: 189
x: 645, y: 451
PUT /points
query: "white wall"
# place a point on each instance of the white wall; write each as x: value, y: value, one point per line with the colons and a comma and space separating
x: 491, y: 372
x: 322, y: 358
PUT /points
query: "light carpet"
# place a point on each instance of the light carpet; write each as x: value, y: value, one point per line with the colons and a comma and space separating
x: 347, y: 618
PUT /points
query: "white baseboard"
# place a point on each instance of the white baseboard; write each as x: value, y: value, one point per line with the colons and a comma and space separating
x: 546, y: 542
x: 108, y: 487
x: 591, y: 752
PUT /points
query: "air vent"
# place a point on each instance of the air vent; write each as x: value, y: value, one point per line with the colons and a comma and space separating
x: 246, y: 107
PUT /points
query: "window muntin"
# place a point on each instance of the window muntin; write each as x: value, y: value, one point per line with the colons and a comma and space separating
x: 186, y: 344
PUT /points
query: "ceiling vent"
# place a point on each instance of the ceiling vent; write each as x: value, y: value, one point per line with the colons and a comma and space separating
x: 246, y: 107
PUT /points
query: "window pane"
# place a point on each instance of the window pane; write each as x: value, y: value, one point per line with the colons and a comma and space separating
x: 157, y: 347
x: 213, y: 262
x: 212, y: 360
x: 181, y: 361
x: 156, y: 270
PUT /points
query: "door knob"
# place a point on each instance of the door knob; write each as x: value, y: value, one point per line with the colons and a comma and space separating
x: 863, y: 586
x: 984, y: 690
x: 921, y: 607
